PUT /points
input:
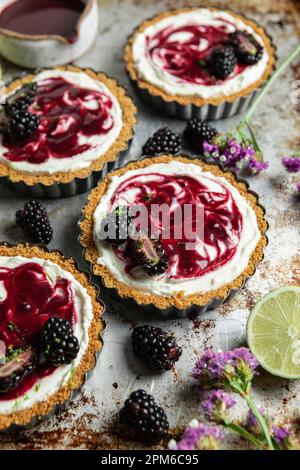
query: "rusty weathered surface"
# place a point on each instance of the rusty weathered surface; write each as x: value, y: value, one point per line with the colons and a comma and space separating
x: 89, y: 422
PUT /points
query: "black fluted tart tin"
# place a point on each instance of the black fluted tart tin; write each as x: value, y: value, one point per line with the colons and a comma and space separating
x: 61, y: 190
x: 193, y: 310
x: 59, y: 407
x: 206, y: 112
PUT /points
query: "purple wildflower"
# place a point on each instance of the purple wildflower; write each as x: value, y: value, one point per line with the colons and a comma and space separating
x: 255, y: 166
x: 280, y: 434
x: 211, y: 150
x: 216, y: 405
x: 245, y: 355
x: 284, y: 438
x: 198, y: 436
x: 233, y: 148
x: 210, y: 367
x: 251, y: 421
x: 233, y: 370
x: 234, y: 155
x: 291, y: 164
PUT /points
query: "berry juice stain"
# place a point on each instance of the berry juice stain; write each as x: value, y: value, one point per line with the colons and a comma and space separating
x: 43, y: 17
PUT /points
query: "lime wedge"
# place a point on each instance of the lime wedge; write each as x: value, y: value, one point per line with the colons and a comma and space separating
x: 273, y: 332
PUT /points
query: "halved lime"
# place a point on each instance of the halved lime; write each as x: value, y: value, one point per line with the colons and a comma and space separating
x: 273, y: 332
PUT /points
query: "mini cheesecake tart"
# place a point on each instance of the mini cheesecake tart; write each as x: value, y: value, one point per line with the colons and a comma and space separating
x: 195, y: 267
x: 85, y: 122
x: 35, y: 286
x: 171, y: 60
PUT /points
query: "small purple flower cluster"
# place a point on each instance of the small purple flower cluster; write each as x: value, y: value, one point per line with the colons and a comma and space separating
x: 216, y: 405
x: 220, y: 370
x: 221, y: 374
x: 198, y: 436
x: 234, y: 155
x: 292, y: 165
x: 280, y: 434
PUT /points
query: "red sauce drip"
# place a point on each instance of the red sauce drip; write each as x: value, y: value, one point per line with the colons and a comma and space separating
x: 36, y: 17
x: 215, y: 244
x: 181, y: 58
x: 67, y: 112
x: 31, y: 300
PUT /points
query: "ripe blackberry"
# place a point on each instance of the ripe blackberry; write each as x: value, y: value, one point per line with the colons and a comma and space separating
x: 246, y: 47
x: 21, y: 100
x: 222, y: 62
x: 156, y: 347
x: 148, y: 253
x: 146, y: 420
x: 162, y: 141
x: 197, y: 132
x: 22, y: 125
x: 115, y: 226
x: 58, y: 343
x: 18, y: 365
x: 34, y: 221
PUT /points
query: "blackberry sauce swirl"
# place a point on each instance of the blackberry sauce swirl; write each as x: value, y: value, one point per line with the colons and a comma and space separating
x: 222, y: 223
x: 182, y: 51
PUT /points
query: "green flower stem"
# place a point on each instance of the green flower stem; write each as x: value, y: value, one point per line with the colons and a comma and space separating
x: 265, y: 90
x: 276, y: 445
x: 244, y: 391
x: 261, y: 421
x: 237, y: 429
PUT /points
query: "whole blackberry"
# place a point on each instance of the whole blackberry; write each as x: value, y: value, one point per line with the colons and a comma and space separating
x: 246, y: 47
x: 18, y: 364
x: 162, y: 141
x: 144, y: 417
x: 197, y: 132
x: 156, y: 347
x: 148, y: 253
x: 115, y: 226
x: 58, y: 343
x: 222, y: 62
x: 22, y: 125
x: 34, y: 221
x: 21, y: 100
